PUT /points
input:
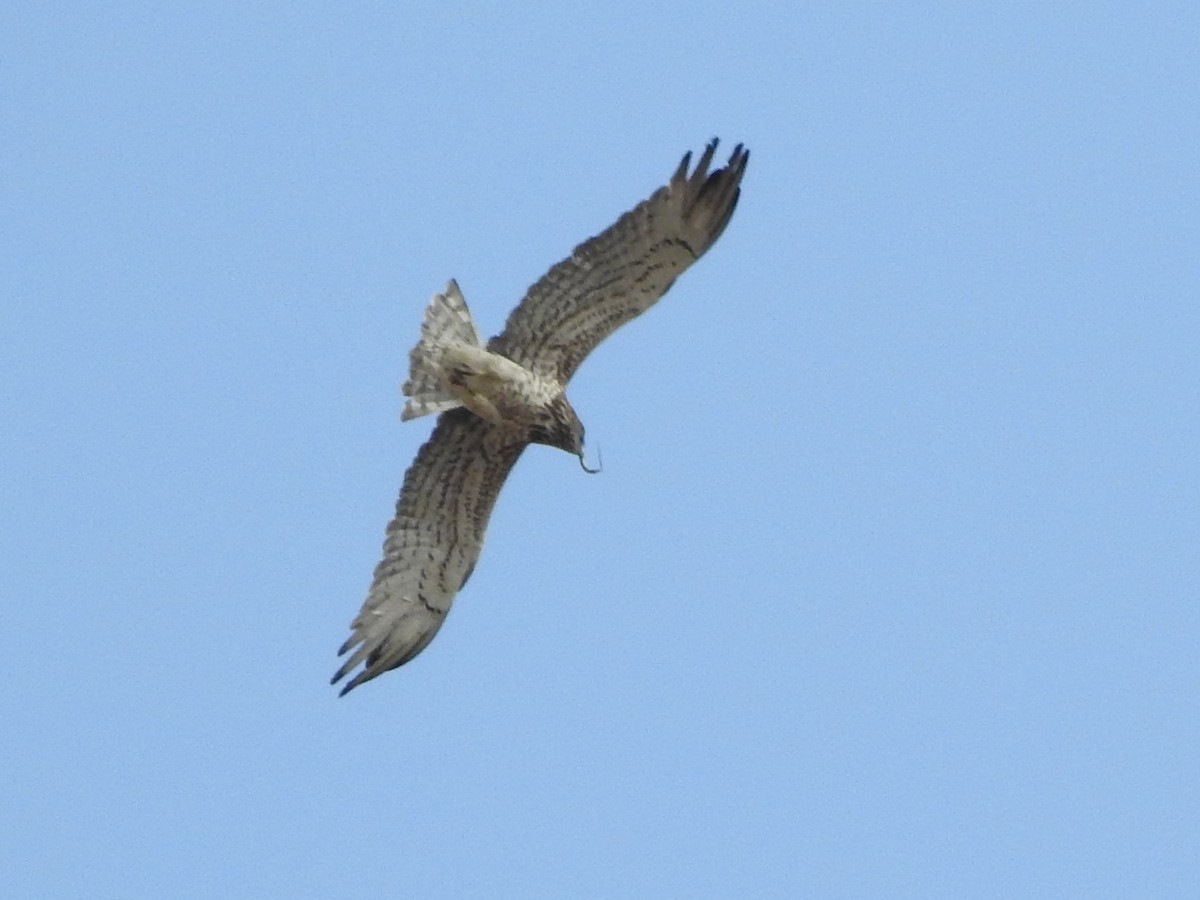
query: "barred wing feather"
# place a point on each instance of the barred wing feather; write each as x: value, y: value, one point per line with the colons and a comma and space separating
x: 433, y: 542
x: 622, y: 272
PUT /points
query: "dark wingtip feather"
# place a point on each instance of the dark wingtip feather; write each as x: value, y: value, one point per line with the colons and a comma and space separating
x: 705, y: 160
x: 738, y: 158
x: 349, y: 685
x: 684, y: 164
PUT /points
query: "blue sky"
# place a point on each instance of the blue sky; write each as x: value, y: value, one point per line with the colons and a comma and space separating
x: 888, y: 588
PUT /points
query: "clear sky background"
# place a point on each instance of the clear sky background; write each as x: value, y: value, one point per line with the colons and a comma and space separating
x: 889, y: 586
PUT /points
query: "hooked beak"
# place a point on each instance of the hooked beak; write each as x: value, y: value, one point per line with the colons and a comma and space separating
x: 599, y: 463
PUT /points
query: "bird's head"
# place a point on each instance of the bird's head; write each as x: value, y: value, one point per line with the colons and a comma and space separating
x: 561, y: 428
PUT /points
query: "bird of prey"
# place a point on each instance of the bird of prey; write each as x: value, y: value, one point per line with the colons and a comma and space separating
x: 495, y: 399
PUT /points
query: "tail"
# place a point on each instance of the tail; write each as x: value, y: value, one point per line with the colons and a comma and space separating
x: 447, y: 322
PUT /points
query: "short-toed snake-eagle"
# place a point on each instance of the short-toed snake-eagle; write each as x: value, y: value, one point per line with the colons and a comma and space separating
x: 495, y: 399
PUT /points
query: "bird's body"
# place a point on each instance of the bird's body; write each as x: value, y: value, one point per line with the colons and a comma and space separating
x: 495, y: 388
x: 451, y: 367
x: 496, y: 399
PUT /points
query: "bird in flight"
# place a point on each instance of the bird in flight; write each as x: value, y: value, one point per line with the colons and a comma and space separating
x: 496, y: 398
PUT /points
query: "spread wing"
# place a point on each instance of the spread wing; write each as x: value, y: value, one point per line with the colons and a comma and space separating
x: 433, y: 542
x: 622, y: 272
